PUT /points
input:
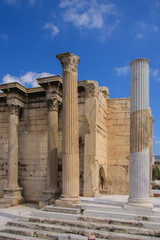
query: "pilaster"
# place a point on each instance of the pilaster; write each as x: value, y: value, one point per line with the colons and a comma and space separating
x: 91, y: 163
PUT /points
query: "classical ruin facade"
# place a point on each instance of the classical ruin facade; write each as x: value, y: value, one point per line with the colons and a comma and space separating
x: 94, y: 153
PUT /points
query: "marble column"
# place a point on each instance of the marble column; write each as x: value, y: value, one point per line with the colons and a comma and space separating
x: 139, y: 134
x: 70, y: 130
x: 13, y: 191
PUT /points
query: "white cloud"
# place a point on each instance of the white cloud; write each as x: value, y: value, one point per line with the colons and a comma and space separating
x: 10, y: 2
x: 53, y: 28
x: 8, y: 79
x: 122, y: 70
x: 32, y: 2
x: 91, y: 14
x: 73, y: 3
x: 139, y: 36
x: 155, y: 72
x: 155, y: 29
x: 155, y: 8
x: 144, y: 30
x: 143, y: 25
x: 28, y: 80
x: 4, y: 37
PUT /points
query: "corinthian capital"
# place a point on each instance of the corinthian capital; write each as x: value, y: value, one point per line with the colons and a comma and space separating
x: 53, y: 104
x: 69, y: 61
x: 14, y: 109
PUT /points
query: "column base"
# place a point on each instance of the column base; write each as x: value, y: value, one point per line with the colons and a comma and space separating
x: 13, y: 195
x: 67, y: 202
x: 49, y: 197
x: 138, y: 203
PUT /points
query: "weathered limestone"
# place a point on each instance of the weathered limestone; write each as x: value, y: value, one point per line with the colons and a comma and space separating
x: 151, y: 122
x: 104, y: 133
x: 118, y: 145
x: 52, y: 143
x: 53, y: 86
x: 16, y: 103
x: 70, y: 129
x: 139, y: 134
x: 13, y: 190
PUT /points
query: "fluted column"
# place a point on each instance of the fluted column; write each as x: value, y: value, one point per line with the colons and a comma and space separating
x: 12, y: 190
x: 70, y: 130
x: 139, y: 134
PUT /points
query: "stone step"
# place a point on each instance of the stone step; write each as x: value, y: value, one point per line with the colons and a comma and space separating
x: 5, y: 203
x: 20, y: 231
x: 120, y: 215
x: 94, y: 213
x: 10, y: 234
x: 5, y: 235
x: 53, y: 224
x: 41, y: 234
x: 32, y: 228
x: 123, y: 222
x: 57, y: 215
x: 59, y: 236
x: 52, y: 208
x: 122, y: 236
x: 115, y: 209
x: 108, y: 206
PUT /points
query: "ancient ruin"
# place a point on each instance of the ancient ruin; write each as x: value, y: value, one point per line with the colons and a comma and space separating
x: 79, y: 146
x: 139, y: 139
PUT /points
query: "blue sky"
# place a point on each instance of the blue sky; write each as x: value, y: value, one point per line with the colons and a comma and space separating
x: 106, y: 34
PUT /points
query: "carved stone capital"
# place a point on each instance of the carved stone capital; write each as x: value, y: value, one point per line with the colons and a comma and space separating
x: 69, y: 61
x: 14, y: 109
x: 53, y: 104
x: 91, y: 91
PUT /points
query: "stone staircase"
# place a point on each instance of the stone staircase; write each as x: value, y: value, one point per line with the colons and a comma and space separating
x: 97, y: 217
x: 5, y: 203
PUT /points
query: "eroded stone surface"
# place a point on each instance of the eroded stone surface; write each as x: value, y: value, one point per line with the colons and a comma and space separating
x: 103, y: 134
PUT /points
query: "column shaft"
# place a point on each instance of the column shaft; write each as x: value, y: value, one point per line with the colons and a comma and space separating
x: 70, y: 130
x: 139, y: 133
x: 70, y: 137
x: 13, y: 152
x: 52, y: 149
x: 13, y: 191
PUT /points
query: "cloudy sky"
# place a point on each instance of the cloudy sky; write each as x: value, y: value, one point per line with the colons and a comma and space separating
x: 106, y: 34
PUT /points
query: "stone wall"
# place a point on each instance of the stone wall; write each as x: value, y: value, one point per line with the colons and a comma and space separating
x: 93, y: 135
x: 33, y: 140
x: 104, y: 142
x: 118, y: 148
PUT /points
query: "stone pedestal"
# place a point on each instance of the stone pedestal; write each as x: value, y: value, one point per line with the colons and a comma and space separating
x: 139, y: 134
x: 13, y: 191
x: 70, y: 130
